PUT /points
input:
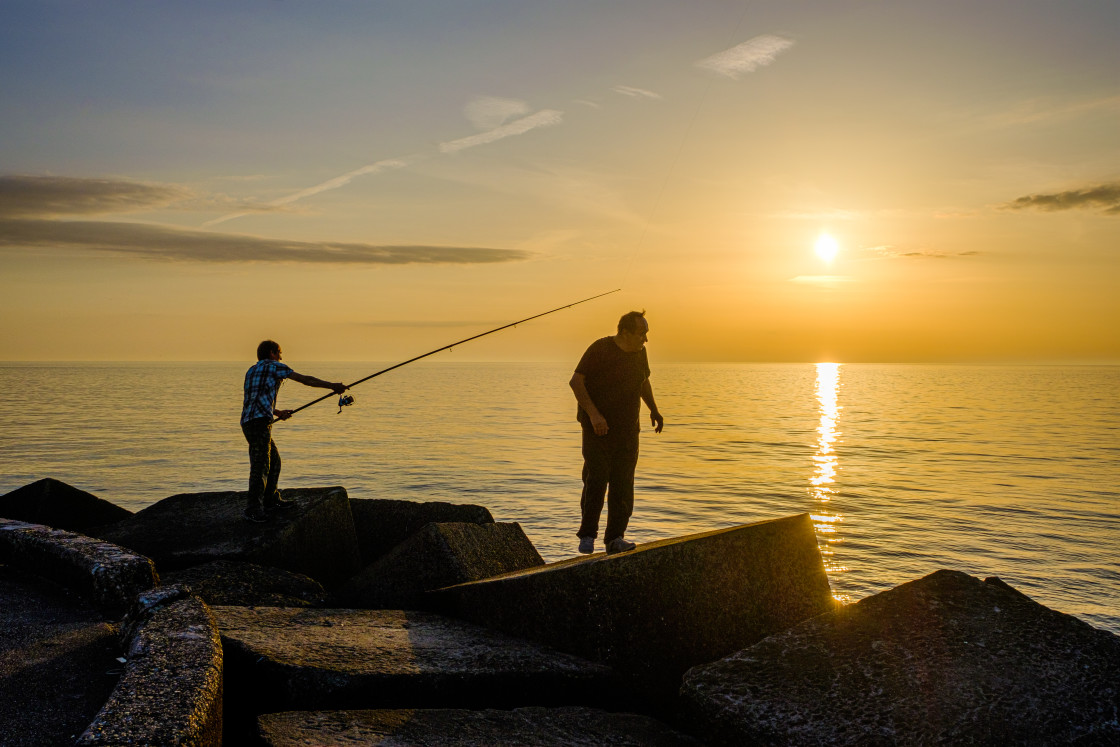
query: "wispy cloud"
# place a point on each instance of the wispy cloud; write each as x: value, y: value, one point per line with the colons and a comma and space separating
x: 1103, y: 196
x: 66, y: 195
x: 543, y: 118
x: 488, y: 112
x: 165, y: 242
x: 335, y: 183
x: 893, y: 252
x: 636, y: 93
x: 746, y: 57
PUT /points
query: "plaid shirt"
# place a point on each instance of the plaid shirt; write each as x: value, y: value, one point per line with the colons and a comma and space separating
x: 262, y: 381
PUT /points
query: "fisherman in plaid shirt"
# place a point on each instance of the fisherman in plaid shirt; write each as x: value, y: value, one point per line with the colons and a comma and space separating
x: 262, y: 381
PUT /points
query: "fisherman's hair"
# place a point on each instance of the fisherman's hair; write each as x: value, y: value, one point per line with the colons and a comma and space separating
x: 629, y: 321
x: 266, y: 348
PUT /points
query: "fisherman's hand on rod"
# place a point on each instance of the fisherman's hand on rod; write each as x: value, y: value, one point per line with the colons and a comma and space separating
x: 282, y: 414
x: 338, y: 387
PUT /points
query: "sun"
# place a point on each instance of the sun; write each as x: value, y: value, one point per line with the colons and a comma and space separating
x: 826, y: 248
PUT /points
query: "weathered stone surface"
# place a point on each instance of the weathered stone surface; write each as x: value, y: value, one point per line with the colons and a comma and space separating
x: 108, y: 575
x: 664, y: 607
x: 332, y: 658
x: 316, y: 537
x: 57, y: 661
x: 945, y: 660
x: 236, y: 583
x: 439, y: 555
x: 171, y: 689
x: 55, y: 504
x: 383, y: 524
x: 521, y: 727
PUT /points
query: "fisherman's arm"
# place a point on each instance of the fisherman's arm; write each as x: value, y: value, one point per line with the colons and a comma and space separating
x: 655, y: 418
x: 579, y: 387
x: 336, y: 387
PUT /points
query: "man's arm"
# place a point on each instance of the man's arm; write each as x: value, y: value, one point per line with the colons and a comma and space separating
x: 336, y: 387
x: 579, y: 387
x: 655, y: 418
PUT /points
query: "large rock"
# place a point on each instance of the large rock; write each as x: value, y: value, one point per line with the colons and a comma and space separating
x: 664, y: 607
x: 524, y: 727
x: 436, y: 556
x: 944, y: 660
x: 315, y: 538
x: 383, y: 524
x: 287, y: 658
x: 231, y: 582
x: 171, y: 689
x: 108, y: 575
x: 55, y: 504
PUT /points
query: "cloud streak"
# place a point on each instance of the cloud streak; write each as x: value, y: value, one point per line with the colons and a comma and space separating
x: 22, y: 196
x: 543, y: 118
x: 746, y: 57
x: 636, y: 93
x: 1103, y: 196
x: 164, y: 242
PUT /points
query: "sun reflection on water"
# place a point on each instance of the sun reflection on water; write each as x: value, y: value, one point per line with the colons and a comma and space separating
x: 826, y: 520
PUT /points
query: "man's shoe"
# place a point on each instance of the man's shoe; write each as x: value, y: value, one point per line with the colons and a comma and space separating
x: 587, y: 545
x: 618, y: 544
x: 279, y: 502
x: 255, y: 514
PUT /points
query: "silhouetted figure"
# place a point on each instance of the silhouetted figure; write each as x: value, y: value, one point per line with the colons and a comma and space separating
x: 262, y: 382
x: 610, y: 382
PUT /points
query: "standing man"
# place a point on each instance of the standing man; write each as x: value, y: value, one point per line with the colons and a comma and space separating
x: 262, y: 381
x: 611, y: 378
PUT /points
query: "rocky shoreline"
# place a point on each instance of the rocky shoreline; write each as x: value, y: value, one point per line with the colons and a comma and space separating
x: 393, y: 622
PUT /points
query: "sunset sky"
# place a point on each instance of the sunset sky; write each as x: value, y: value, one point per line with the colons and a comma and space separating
x: 369, y: 180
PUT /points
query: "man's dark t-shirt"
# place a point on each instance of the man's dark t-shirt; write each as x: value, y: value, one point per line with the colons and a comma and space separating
x: 614, y: 380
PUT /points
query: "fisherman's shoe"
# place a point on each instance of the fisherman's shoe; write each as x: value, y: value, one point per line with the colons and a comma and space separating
x: 587, y: 545
x: 255, y: 514
x: 618, y: 544
x: 279, y: 502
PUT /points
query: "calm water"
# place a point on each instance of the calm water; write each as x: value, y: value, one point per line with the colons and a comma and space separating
x: 1008, y: 471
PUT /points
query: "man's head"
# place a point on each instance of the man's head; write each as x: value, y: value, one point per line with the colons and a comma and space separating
x: 268, y: 350
x: 632, y: 330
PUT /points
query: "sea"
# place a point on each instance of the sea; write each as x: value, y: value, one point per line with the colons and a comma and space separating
x: 1008, y: 471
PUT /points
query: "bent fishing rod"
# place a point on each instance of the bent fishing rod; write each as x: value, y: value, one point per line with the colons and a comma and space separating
x: 347, y: 400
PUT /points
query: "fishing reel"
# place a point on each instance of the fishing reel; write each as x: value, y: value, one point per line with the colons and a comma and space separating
x: 344, y: 401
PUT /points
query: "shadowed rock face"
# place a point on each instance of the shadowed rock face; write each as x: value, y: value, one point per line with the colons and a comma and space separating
x: 56, y: 504
x: 315, y: 538
x: 525, y: 727
x: 436, y: 556
x: 947, y: 660
x: 234, y: 583
x: 301, y: 659
x: 381, y: 525
x: 656, y: 611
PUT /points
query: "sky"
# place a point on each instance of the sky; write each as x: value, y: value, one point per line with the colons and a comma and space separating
x: 841, y: 180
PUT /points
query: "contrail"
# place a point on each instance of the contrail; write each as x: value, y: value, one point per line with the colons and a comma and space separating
x: 338, y: 181
x: 543, y: 118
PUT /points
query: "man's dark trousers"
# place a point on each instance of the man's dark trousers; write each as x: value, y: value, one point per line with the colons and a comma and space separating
x: 608, y: 461
x: 264, y: 461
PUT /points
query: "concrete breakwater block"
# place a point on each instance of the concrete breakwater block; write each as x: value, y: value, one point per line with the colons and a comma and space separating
x: 171, y: 689
x: 946, y: 659
x: 236, y: 583
x: 333, y: 658
x: 108, y: 575
x: 436, y: 556
x: 55, y: 504
x: 383, y: 524
x: 668, y: 605
x: 523, y: 727
x: 316, y: 537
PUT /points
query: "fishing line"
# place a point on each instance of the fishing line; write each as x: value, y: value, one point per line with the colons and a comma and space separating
x: 346, y: 399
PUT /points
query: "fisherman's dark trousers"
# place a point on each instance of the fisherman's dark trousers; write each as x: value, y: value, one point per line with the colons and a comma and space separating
x: 264, y: 461
x: 608, y: 469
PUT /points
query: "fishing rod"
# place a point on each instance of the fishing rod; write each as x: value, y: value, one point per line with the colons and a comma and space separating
x: 348, y: 400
